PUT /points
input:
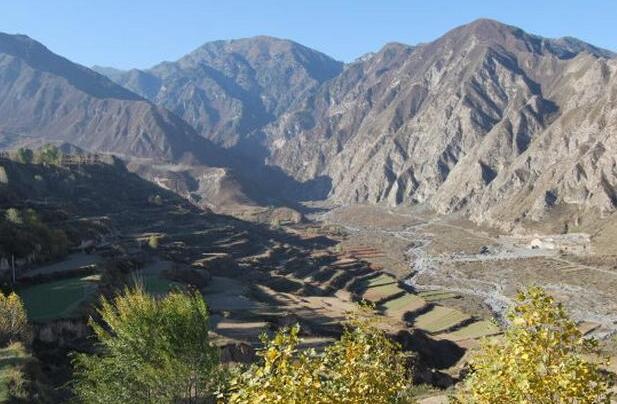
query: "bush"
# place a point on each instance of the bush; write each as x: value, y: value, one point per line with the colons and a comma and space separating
x: 153, y: 242
x: 48, y: 154
x: 151, y: 350
x: 542, y: 358
x: 14, y: 325
x: 363, y: 366
x: 13, y: 215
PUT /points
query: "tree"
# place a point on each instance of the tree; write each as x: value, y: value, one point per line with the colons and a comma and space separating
x: 150, y: 351
x: 153, y: 242
x: 363, y: 366
x: 24, y: 155
x: 13, y: 320
x: 49, y: 154
x: 542, y: 358
x: 14, y: 216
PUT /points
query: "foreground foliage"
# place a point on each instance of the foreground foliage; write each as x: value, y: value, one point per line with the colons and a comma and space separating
x: 151, y: 351
x: 363, y: 366
x: 543, y: 358
x: 14, y: 325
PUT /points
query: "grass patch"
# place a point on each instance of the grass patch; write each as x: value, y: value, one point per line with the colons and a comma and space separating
x: 403, y: 304
x: 378, y: 293
x: 440, y: 318
x: 58, y: 299
x: 380, y: 280
x: 12, y: 358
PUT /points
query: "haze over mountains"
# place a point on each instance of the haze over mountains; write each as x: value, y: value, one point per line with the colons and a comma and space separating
x: 487, y: 120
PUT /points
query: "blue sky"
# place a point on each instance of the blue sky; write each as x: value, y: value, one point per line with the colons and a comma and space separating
x: 140, y: 33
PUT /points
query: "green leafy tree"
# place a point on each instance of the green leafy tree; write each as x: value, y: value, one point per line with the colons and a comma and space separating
x: 363, y: 366
x: 49, y: 154
x: 150, y: 351
x: 542, y: 358
x: 13, y: 320
x: 25, y: 156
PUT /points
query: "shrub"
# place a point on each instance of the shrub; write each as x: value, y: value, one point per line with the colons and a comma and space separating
x: 541, y: 359
x: 13, y: 215
x: 48, y: 154
x: 151, y: 350
x: 153, y: 242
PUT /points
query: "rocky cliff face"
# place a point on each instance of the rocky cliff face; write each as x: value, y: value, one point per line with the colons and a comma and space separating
x: 487, y: 120
x: 228, y: 90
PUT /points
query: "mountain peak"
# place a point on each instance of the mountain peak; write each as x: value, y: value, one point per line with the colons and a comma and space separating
x: 495, y: 33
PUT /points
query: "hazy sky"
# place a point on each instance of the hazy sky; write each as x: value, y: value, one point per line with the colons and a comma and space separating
x: 140, y: 33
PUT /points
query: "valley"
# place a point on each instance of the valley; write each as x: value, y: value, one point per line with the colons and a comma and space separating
x: 432, y: 182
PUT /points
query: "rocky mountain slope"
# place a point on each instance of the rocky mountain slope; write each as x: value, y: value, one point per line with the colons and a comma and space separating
x: 228, y: 90
x: 487, y: 119
x: 44, y: 97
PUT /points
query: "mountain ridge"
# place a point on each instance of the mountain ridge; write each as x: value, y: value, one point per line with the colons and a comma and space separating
x: 455, y: 123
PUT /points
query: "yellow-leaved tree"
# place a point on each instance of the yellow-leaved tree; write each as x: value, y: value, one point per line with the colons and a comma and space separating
x: 542, y: 358
x: 14, y: 325
x: 364, y: 366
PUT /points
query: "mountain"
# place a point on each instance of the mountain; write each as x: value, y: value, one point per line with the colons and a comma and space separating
x: 45, y: 97
x: 229, y: 90
x: 503, y: 126
x: 487, y: 120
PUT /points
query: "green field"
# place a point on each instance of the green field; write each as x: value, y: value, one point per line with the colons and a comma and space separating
x: 57, y: 299
x: 377, y: 293
x: 11, y: 358
x: 440, y: 318
x: 380, y: 280
x: 403, y: 304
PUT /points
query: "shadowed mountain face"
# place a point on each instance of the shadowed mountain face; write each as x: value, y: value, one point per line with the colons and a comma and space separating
x: 228, y: 90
